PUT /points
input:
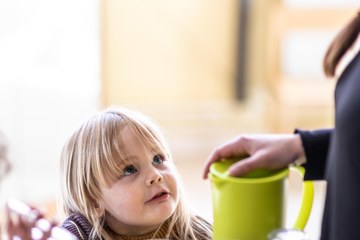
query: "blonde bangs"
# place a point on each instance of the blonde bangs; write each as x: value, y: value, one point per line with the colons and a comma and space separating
x: 104, y: 131
x: 148, y: 138
x: 109, y: 156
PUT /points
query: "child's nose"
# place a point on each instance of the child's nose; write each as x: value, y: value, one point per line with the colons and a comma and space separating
x: 154, y: 177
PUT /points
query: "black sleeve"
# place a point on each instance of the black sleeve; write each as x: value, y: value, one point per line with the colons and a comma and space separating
x: 316, y: 145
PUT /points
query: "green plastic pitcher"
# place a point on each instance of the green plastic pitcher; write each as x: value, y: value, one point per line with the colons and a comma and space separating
x: 251, y: 206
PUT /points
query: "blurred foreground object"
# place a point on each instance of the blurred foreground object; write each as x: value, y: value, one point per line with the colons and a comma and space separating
x: 26, y: 223
x: 4, y: 162
x: 288, y: 234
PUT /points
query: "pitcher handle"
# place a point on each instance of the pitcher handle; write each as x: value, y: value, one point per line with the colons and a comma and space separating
x: 306, y: 203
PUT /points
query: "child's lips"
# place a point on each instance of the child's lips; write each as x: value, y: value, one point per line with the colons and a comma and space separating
x: 159, y: 197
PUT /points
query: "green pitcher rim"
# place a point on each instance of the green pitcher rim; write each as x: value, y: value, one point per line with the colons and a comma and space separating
x: 218, y: 174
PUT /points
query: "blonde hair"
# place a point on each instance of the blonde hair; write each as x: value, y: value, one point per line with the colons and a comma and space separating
x: 340, y: 45
x: 88, y: 162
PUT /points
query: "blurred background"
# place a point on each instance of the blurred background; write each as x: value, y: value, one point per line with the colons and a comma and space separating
x: 205, y: 70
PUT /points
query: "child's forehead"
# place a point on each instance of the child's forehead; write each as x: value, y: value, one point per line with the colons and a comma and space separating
x: 136, y: 142
x: 134, y: 139
x: 138, y: 154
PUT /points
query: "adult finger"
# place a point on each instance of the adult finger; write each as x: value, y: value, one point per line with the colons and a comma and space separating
x: 243, y: 167
x: 215, y: 156
x: 228, y: 150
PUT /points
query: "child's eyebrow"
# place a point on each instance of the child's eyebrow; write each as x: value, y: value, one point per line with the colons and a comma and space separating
x: 129, y: 159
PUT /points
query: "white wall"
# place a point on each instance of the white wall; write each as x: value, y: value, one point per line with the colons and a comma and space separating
x: 49, y: 82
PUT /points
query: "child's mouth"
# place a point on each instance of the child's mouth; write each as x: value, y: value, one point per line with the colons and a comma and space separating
x: 160, y: 197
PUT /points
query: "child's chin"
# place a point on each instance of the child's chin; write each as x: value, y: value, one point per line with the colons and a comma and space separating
x: 164, y: 213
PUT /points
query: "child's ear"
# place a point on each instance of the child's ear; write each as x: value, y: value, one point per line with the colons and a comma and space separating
x: 99, y: 211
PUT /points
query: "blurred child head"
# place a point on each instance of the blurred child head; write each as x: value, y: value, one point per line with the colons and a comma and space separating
x: 4, y: 162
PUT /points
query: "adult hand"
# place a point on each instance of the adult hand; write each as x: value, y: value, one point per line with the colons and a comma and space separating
x: 269, y: 151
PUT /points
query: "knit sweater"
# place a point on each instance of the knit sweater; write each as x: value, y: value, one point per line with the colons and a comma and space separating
x: 157, y: 234
x: 79, y: 226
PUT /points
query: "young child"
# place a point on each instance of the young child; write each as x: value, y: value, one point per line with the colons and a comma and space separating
x: 119, y: 182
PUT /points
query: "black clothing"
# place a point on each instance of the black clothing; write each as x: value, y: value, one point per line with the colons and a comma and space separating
x: 334, y: 155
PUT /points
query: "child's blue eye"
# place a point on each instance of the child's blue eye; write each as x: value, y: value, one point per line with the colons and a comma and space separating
x: 128, y: 170
x: 158, y: 159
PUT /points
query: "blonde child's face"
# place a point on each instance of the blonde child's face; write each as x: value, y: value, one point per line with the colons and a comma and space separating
x: 145, y: 195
